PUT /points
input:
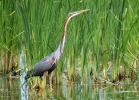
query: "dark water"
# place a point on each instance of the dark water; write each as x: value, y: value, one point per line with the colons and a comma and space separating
x: 13, y: 88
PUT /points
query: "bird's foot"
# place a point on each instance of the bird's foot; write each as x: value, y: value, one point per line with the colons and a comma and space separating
x: 51, y: 89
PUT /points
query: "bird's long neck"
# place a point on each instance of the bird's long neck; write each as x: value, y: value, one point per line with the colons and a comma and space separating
x: 60, y: 48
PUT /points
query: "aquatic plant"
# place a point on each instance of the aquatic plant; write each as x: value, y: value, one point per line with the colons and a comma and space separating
x: 105, y: 39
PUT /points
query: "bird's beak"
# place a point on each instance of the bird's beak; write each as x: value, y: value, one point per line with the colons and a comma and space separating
x: 81, y: 11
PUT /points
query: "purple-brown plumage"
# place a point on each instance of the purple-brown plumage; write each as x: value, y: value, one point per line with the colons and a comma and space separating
x: 46, y: 64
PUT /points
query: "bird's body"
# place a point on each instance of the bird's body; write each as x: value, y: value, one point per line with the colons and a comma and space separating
x: 49, y: 63
x: 46, y: 64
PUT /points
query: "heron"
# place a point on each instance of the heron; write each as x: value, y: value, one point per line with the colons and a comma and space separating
x: 49, y: 63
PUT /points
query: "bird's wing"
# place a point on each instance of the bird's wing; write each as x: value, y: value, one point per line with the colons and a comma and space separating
x: 44, y: 65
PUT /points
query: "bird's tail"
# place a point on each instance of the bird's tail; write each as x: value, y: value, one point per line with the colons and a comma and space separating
x: 29, y: 74
x: 26, y: 77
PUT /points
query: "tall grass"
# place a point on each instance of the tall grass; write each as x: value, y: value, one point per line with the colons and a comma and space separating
x: 9, y: 35
x: 107, y: 33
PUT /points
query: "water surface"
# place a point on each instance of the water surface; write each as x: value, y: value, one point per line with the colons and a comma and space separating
x: 13, y: 89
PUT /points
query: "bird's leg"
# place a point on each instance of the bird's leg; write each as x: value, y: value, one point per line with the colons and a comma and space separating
x: 50, y: 81
x: 44, y: 79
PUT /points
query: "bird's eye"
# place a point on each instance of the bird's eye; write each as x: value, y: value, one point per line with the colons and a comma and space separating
x: 70, y: 14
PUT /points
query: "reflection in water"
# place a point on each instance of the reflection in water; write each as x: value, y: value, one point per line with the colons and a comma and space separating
x: 15, y: 89
x: 23, y: 86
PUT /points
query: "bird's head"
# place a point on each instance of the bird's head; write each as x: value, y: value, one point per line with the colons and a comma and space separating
x: 72, y: 14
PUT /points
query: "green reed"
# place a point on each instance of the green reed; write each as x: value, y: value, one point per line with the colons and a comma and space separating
x: 108, y: 33
x: 9, y: 35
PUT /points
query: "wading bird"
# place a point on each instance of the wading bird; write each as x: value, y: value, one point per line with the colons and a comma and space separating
x: 49, y: 63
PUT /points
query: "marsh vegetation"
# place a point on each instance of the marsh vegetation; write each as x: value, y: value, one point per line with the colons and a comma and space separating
x: 103, y: 42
